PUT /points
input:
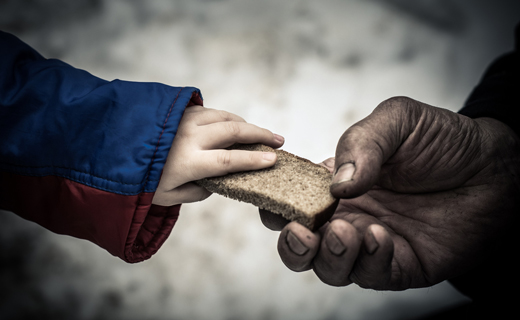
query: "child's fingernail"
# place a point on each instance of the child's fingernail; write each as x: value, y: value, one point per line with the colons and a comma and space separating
x: 344, y: 173
x: 278, y: 138
x: 295, y: 244
x: 269, y: 156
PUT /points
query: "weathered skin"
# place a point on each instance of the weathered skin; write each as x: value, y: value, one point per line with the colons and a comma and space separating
x: 432, y: 194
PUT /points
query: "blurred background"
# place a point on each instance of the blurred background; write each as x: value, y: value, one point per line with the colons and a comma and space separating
x: 304, y: 69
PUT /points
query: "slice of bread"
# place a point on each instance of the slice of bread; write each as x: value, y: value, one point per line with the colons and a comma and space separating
x: 295, y: 188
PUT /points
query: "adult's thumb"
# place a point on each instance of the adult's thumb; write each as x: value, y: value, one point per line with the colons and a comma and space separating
x: 367, y: 145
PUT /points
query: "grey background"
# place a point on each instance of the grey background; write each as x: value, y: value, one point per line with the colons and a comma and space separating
x: 304, y: 69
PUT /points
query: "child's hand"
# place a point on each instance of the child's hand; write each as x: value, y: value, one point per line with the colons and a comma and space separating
x: 198, y: 152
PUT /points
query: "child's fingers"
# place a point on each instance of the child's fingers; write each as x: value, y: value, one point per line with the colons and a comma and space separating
x: 214, y: 163
x: 224, y: 134
x: 186, y: 193
x: 203, y: 116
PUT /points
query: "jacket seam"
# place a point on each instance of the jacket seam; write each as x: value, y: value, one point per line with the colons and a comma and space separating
x: 144, y: 249
x: 65, y: 176
x: 152, y: 160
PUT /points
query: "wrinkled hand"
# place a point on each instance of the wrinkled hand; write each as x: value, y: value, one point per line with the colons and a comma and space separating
x: 198, y: 151
x: 427, y: 194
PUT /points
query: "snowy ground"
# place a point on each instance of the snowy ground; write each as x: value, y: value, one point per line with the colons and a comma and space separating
x: 304, y: 69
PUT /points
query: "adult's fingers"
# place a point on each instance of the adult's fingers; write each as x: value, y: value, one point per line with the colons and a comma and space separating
x: 338, y: 252
x: 365, y: 147
x: 328, y: 163
x: 373, y: 268
x: 297, y: 246
x: 272, y: 221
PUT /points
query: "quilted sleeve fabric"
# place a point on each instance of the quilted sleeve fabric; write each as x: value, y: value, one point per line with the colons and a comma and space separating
x: 83, y: 156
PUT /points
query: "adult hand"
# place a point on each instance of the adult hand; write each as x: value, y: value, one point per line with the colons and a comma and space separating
x: 427, y: 194
x: 198, y: 151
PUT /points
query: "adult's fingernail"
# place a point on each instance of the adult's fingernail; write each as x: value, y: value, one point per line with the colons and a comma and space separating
x: 344, y: 173
x: 295, y: 244
x: 371, y: 244
x: 278, y: 138
x: 269, y: 156
x: 334, y: 244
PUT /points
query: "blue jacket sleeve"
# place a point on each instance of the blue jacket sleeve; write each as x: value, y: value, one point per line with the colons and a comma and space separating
x: 67, y: 133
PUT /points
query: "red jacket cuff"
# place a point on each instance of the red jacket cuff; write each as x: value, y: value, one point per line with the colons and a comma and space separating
x: 150, y: 227
x: 127, y: 226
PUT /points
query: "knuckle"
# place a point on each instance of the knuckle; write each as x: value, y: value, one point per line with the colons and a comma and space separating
x: 224, y: 158
x: 224, y: 115
x: 233, y: 128
x: 252, y: 157
x: 398, y: 102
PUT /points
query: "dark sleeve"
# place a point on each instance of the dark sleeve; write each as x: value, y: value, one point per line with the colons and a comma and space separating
x: 498, y: 93
x: 489, y: 284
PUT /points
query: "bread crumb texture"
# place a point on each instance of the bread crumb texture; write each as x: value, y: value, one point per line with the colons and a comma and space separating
x: 294, y: 187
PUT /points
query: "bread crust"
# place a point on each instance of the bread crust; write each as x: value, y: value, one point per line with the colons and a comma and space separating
x: 306, y: 200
